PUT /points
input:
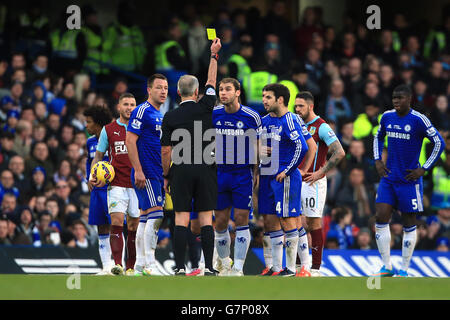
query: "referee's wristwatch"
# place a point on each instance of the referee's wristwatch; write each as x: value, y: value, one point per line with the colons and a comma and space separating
x: 166, y: 177
x: 215, y: 56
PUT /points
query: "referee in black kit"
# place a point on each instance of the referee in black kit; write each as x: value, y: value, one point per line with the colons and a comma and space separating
x: 192, y: 176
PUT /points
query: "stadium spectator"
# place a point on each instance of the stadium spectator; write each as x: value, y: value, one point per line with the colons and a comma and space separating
x: 25, y: 226
x: 4, y: 240
x: 337, y: 106
x: 6, y: 148
x: 39, y: 158
x: 80, y: 233
x: 7, y: 184
x: 23, y: 140
x: 304, y: 33
x: 442, y: 244
x: 341, y: 228
x: 358, y: 196
x: 364, y: 240
x: 17, y: 167
x: 421, y: 99
x: 439, y: 114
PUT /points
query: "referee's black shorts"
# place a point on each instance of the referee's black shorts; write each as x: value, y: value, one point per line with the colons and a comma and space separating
x: 193, y: 187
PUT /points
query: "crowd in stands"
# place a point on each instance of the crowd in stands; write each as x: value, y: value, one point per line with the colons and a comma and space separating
x: 50, y: 75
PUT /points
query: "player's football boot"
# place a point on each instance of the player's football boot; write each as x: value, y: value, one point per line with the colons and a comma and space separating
x: 211, y: 273
x: 384, y: 272
x: 196, y: 272
x: 129, y: 272
x: 315, y: 273
x: 267, y: 272
x: 225, y: 266
x: 104, y: 272
x: 180, y: 272
x: 285, y: 273
x: 235, y: 273
x: 402, y: 274
x: 275, y: 273
x: 117, y: 270
x: 303, y: 272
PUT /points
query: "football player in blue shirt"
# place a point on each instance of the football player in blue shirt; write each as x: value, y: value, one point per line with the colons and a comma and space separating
x: 401, y: 174
x: 144, y: 150
x: 280, y: 180
x: 96, y: 118
x: 237, y: 130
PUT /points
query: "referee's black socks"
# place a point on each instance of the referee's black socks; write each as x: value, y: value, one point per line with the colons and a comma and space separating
x: 207, y: 237
x: 179, y: 246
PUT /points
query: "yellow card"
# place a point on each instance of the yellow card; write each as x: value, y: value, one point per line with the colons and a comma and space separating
x: 211, y: 33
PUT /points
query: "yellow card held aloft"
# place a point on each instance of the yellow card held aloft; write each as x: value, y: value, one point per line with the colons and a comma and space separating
x: 211, y: 33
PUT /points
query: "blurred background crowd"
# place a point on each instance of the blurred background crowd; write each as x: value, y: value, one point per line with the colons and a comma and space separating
x: 49, y: 75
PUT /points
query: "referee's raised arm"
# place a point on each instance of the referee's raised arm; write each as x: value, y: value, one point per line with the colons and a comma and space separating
x: 212, y: 70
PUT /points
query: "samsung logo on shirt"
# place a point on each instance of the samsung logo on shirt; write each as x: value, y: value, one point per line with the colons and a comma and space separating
x: 398, y: 135
x: 230, y: 132
x: 273, y: 135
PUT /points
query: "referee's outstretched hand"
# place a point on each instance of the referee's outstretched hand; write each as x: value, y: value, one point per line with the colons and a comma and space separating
x: 215, y: 46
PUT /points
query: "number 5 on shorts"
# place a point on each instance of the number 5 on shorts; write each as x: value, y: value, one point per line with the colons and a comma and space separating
x: 414, y: 204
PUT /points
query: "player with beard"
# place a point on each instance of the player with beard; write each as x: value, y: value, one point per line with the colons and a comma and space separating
x: 122, y: 199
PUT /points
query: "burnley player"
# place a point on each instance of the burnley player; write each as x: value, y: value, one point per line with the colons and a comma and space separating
x: 121, y: 196
x: 314, y: 185
x: 280, y: 179
x: 96, y: 118
x: 144, y: 150
x: 237, y: 129
x: 401, y: 176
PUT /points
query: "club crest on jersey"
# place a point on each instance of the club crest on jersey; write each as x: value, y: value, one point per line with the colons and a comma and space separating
x: 239, y: 124
x: 407, y: 128
x: 312, y: 130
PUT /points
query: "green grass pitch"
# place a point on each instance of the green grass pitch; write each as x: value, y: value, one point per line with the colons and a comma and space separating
x: 49, y: 287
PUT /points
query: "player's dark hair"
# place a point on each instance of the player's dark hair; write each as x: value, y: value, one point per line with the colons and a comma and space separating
x: 101, y: 115
x: 126, y: 95
x: 403, y: 88
x: 233, y: 81
x: 152, y: 78
x: 279, y: 90
x: 305, y: 95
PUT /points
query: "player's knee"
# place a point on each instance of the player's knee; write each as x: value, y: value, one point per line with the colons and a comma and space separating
x: 241, y: 218
x: 221, y: 221
x: 132, y: 224
x: 117, y: 219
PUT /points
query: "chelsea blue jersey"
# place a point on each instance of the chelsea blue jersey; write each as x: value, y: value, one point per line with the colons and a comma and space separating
x: 145, y: 121
x: 404, y: 137
x: 287, y: 137
x: 236, y: 136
